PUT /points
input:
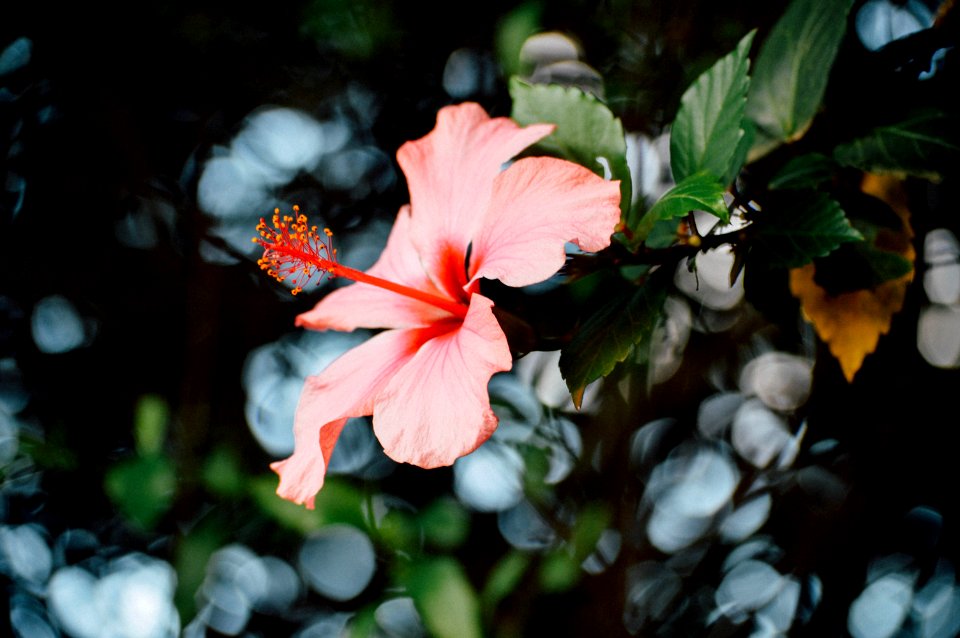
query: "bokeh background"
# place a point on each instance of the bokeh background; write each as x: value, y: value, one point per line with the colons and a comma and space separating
x: 149, y: 372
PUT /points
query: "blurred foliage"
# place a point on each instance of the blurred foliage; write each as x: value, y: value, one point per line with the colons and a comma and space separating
x: 444, y: 596
x: 513, y: 29
x: 142, y: 488
x: 353, y: 29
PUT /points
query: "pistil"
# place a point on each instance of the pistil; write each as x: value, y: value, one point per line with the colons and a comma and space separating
x: 292, y: 249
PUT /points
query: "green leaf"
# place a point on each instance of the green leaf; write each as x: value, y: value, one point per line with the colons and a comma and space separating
x: 884, y: 265
x: 444, y: 597
x: 504, y: 578
x: 193, y: 551
x: 364, y: 624
x: 609, y: 335
x: 512, y: 31
x: 222, y: 473
x: 662, y: 234
x: 586, y: 129
x: 445, y: 523
x: 142, y: 488
x: 559, y: 571
x: 399, y: 531
x: 150, y: 424
x: 791, y: 71
x: 742, y: 151
x: 923, y: 145
x: 52, y: 451
x: 863, y: 265
x: 805, y: 171
x: 886, y: 252
x: 707, y: 129
x: 356, y: 28
x: 698, y: 192
x: 798, y: 226
x: 337, y: 502
x: 591, y: 521
x: 263, y: 489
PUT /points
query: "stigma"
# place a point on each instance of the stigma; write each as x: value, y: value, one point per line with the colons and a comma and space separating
x: 294, y: 250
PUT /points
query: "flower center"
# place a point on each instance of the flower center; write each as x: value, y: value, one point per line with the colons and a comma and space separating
x: 294, y: 250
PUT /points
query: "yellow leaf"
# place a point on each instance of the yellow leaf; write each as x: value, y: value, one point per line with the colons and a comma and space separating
x: 851, y: 323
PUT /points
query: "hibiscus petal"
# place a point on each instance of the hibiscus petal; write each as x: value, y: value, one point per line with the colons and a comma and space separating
x: 450, y: 174
x: 538, y: 205
x: 364, y: 306
x: 436, y: 408
x: 346, y: 388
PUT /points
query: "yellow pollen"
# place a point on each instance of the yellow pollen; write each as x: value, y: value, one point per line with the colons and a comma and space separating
x: 294, y: 250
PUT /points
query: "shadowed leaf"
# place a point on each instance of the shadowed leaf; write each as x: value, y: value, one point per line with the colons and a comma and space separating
x: 142, y: 488
x: 851, y: 322
x: 796, y: 227
x: 805, y: 171
x: 610, y: 334
x: 444, y: 597
x: 923, y: 146
x: 791, y: 71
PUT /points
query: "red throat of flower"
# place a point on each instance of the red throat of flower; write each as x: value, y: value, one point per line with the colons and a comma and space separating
x: 294, y: 250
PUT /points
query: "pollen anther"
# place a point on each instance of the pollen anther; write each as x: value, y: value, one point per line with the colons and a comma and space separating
x: 291, y: 247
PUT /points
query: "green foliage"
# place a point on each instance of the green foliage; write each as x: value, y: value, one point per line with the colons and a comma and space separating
x: 791, y: 71
x: 52, y: 451
x: 142, y: 488
x: 559, y: 571
x: 399, y: 531
x: 923, y: 145
x: 356, y: 28
x: 444, y: 597
x: 586, y: 129
x: 798, y: 226
x: 610, y: 334
x: 150, y: 424
x: 863, y: 265
x: 364, y: 624
x: 337, y: 502
x: 884, y: 264
x: 886, y: 252
x: 701, y: 191
x: 805, y: 171
x: 709, y: 126
x: 536, y: 464
x: 662, y: 234
x: 193, y: 552
x: 592, y: 520
x: 742, y: 151
x: 504, y: 579
x: 222, y: 473
x: 445, y: 523
x: 512, y: 31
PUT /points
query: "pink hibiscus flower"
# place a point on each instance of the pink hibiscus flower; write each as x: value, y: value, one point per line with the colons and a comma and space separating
x: 424, y: 379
